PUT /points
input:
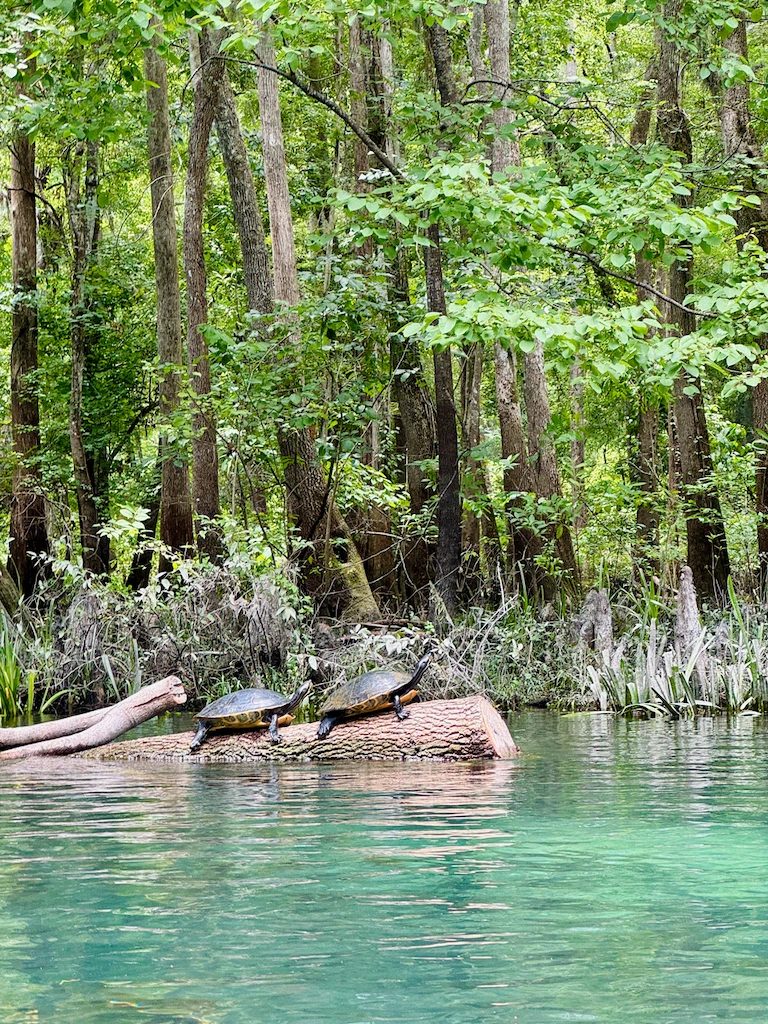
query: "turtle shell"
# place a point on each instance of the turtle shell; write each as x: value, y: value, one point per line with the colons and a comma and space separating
x: 372, y: 691
x: 243, y: 708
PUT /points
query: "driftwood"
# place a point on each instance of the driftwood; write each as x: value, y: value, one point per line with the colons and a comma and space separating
x: 441, y: 730
x: 139, y: 707
x: 18, y: 735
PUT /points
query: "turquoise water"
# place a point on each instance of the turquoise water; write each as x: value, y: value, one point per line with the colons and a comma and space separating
x: 618, y: 873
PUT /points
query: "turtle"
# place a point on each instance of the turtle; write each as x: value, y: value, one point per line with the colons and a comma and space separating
x: 248, y: 709
x: 373, y: 691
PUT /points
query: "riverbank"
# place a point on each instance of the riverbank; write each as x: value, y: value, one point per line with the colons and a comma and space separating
x: 645, y: 654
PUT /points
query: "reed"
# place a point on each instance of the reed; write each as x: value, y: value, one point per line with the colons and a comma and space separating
x: 17, y: 687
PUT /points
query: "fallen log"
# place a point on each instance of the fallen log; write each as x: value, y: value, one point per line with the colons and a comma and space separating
x: 120, y: 718
x: 19, y: 735
x: 466, y: 729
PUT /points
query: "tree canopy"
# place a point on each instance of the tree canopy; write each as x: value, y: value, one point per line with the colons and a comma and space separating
x: 429, y: 301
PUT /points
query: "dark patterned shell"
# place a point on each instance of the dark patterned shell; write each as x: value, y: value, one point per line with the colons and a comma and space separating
x: 369, y: 692
x: 244, y: 707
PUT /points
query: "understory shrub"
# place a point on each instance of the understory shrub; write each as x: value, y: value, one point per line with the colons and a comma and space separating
x: 213, y: 627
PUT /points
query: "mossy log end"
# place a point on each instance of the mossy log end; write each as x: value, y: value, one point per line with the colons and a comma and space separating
x: 466, y: 729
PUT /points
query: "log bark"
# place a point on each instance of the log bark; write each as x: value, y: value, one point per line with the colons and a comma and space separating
x: 148, y: 702
x: 440, y: 730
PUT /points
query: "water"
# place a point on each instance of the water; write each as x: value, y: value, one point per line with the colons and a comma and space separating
x: 618, y: 873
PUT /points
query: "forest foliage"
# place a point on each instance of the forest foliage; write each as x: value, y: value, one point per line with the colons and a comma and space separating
x: 415, y: 312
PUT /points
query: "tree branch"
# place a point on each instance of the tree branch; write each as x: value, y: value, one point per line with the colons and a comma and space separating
x: 629, y: 280
x: 319, y: 97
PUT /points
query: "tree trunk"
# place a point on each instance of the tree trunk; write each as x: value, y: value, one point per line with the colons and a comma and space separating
x: 340, y: 582
x: 387, y: 69
x: 417, y: 416
x: 83, y: 214
x: 688, y: 627
x: 276, y: 177
x: 644, y: 466
x: 471, y: 376
x: 29, y: 538
x: 206, y: 79
x: 528, y: 473
x: 707, y: 548
x: 545, y: 477
x: 596, y: 622
x: 480, y: 535
x: 467, y: 729
x: 148, y: 702
x: 358, y: 108
x: 449, y: 487
x: 506, y: 151
x: 245, y: 204
x: 448, y: 484
x: 176, y: 530
x: 645, y: 474
x: 9, y: 592
x: 740, y: 141
x: 409, y: 386
x: 523, y: 543
x: 578, y: 452
x: 373, y: 524
x: 141, y: 563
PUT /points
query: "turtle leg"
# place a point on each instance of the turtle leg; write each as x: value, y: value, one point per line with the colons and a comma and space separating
x: 274, y: 735
x: 400, y: 711
x: 325, y: 726
x: 202, y: 732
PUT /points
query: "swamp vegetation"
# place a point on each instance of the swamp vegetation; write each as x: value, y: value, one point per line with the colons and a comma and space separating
x: 327, y: 326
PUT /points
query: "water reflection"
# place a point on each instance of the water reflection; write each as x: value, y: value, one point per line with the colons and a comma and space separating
x: 617, y: 872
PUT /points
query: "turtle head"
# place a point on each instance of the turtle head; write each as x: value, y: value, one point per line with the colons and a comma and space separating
x: 422, y: 667
x: 301, y: 693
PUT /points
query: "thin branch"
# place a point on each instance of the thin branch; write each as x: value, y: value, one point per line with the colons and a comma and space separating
x: 319, y: 97
x: 145, y: 410
x: 629, y: 280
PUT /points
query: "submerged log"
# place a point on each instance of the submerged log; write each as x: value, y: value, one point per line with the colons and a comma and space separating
x: 439, y: 730
x: 146, y: 703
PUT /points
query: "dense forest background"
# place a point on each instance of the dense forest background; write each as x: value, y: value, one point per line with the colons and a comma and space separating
x: 419, y: 317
